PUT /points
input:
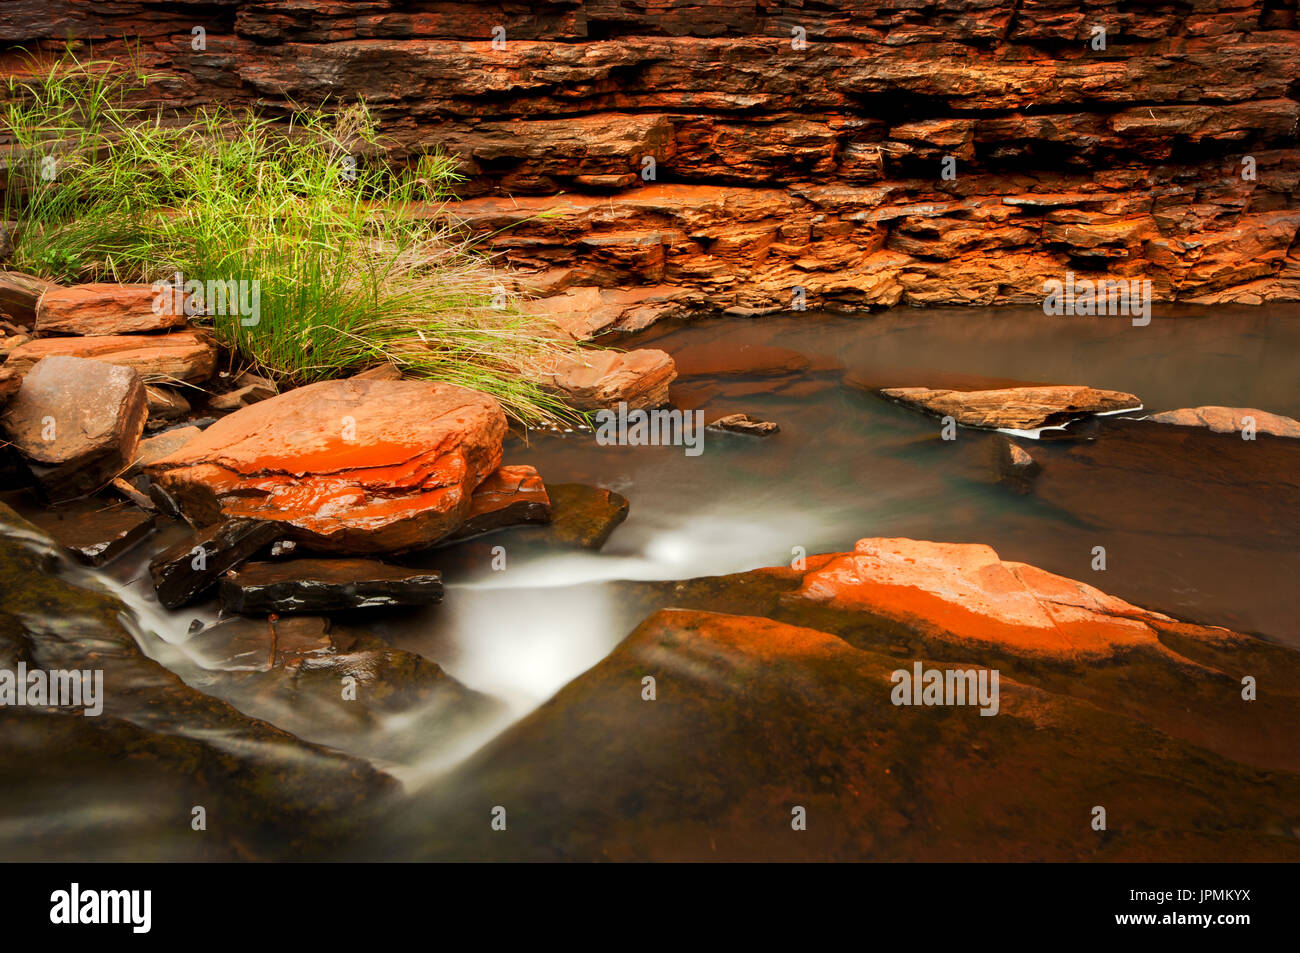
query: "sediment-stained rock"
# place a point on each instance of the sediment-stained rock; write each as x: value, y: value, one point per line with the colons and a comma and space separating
x: 348, y: 466
x: 745, y: 425
x: 95, y: 531
x: 1019, y: 408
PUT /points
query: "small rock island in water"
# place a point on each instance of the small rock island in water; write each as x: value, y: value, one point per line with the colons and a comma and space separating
x: 580, y: 431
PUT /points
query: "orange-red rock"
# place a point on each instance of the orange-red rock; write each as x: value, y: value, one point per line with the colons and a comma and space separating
x: 103, y: 309
x: 364, y: 466
x: 186, y: 355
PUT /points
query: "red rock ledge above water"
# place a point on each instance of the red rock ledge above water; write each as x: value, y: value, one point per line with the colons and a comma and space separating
x: 356, y: 466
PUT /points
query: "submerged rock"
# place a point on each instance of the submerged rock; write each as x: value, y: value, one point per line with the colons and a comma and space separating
x: 95, y: 531
x: 77, y: 422
x: 103, y: 309
x: 187, y: 570
x: 1013, y: 465
x: 325, y: 585
x: 1231, y: 420
x: 773, y: 696
x: 348, y: 466
x: 1015, y: 408
x: 123, y: 784
x: 1149, y: 477
x: 744, y: 424
x: 337, y: 686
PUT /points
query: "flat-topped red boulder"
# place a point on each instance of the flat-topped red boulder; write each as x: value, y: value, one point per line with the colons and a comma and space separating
x: 1014, y: 408
x: 350, y: 466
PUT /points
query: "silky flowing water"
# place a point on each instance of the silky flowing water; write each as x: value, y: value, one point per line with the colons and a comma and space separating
x: 846, y: 465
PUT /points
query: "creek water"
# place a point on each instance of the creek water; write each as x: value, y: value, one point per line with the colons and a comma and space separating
x: 845, y: 465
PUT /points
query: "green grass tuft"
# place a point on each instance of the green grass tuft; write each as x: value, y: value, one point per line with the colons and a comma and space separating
x: 348, y: 277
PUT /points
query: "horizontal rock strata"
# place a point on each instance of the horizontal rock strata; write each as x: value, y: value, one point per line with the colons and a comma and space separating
x: 1168, y: 155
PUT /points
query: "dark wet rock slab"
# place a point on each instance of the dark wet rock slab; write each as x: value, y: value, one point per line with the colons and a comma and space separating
x: 96, y: 531
x: 325, y: 585
x: 187, y: 570
x: 744, y: 425
x: 123, y: 785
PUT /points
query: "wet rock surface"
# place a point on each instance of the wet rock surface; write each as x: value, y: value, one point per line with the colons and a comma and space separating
x: 510, y: 496
x: 189, y: 569
x: 325, y: 585
x: 1021, y: 408
x: 744, y: 425
x: 77, y: 422
x: 352, y: 466
x: 95, y: 531
x: 336, y: 685
x: 773, y: 690
x: 266, y: 794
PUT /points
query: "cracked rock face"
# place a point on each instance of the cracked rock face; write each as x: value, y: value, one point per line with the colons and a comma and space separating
x: 351, y: 466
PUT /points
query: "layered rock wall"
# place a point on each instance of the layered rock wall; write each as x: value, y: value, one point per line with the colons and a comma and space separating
x: 759, y: 155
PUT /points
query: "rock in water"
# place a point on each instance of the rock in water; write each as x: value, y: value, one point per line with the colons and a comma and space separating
x: 744, y: 424
x: 190, y: 568
x: 1231, y: 420
x: 121, y: 785
x: 326, y: 585
x: 78, y: 422
x: 776, y: 690
x: 94, y: 530
x: 1014, y: 408
x: 349, y: 466
x: 101, y: 309
x: 511, y: 496
x: 593, y: 380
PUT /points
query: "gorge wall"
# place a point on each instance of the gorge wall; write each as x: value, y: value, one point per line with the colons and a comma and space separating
x: 740, y: 155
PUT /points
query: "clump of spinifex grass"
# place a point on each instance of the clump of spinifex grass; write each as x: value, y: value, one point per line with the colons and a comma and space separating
x: 105, y: 190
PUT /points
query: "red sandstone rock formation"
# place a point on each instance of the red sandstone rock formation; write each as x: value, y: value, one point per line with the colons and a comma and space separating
x: 353, y: 466
x: 777, y: 167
